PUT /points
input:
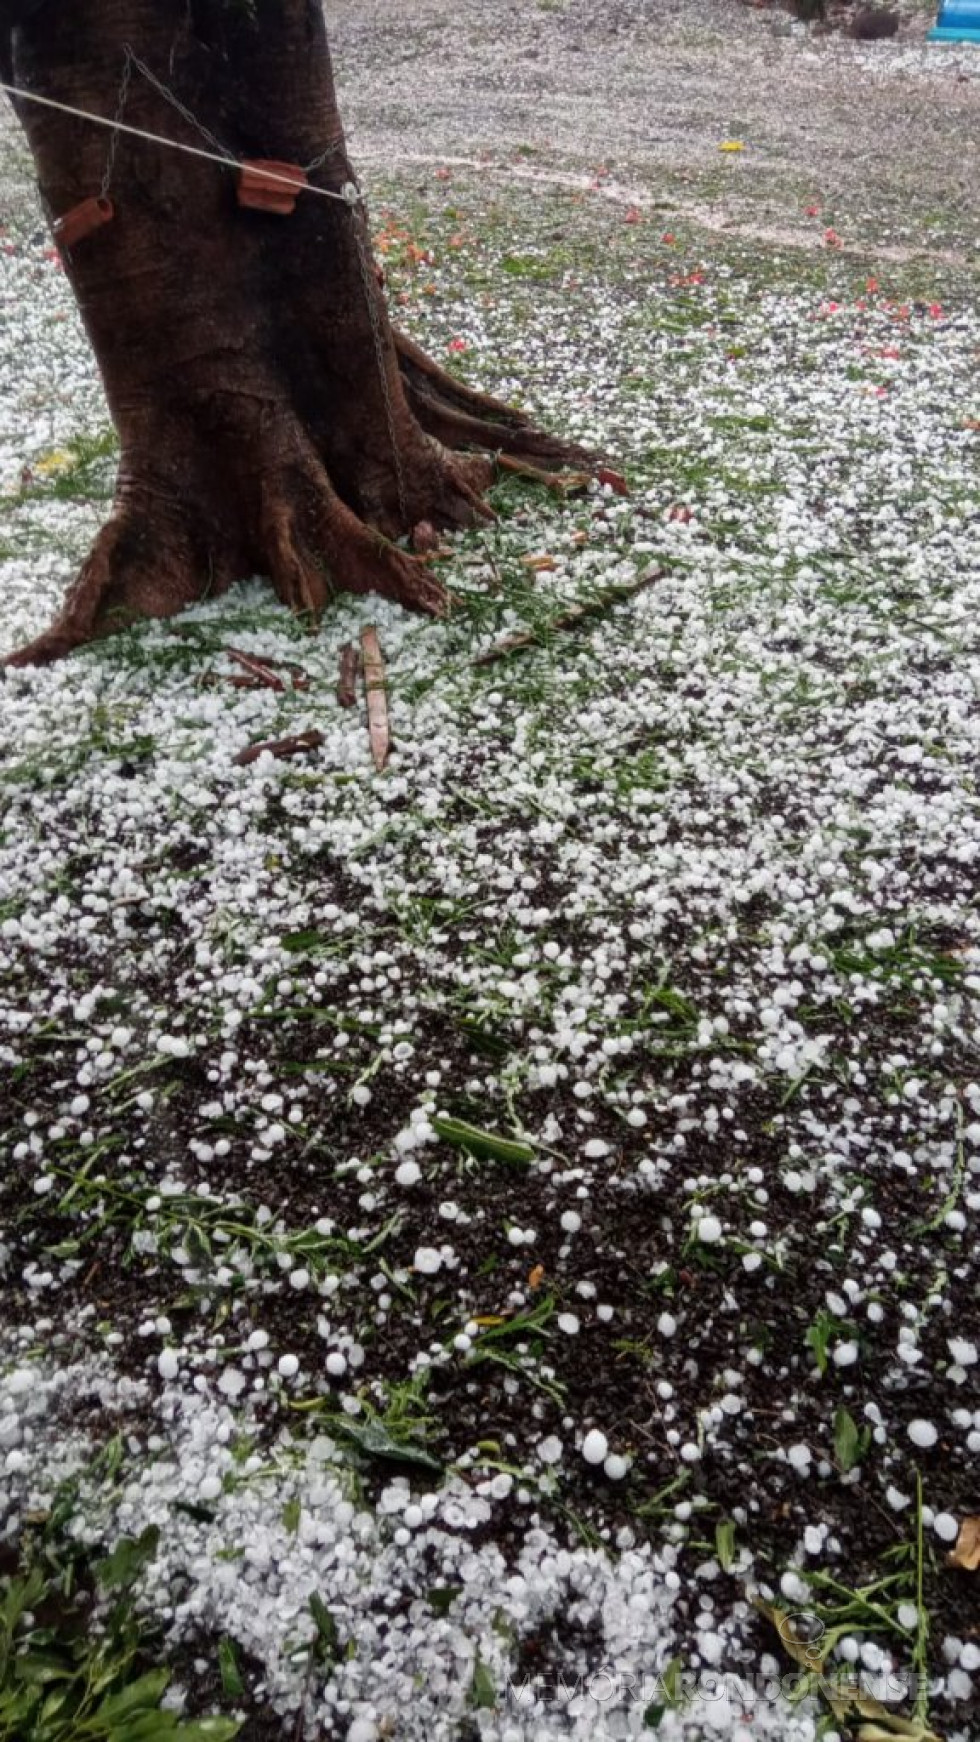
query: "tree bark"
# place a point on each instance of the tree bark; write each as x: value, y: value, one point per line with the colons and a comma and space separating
x: 270, y: 418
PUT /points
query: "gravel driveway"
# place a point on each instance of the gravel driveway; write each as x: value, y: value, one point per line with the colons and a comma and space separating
x: 885, y: 135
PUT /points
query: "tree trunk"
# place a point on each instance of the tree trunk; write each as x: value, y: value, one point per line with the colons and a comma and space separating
x: 270, y: 419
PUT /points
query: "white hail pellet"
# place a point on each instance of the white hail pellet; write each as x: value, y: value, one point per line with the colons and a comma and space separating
x: 708, y: 1230
x: 595, y: 1447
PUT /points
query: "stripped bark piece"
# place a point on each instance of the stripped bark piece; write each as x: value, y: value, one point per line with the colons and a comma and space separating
x: 263, y: 677
x: 424, y: 537
x: 379, y: 728
x: 350, y: 665
x: 265, y: 670
x: 280, y: 748
x: 522, y: 639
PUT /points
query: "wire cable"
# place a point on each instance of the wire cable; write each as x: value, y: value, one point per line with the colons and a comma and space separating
x: 348, y: 195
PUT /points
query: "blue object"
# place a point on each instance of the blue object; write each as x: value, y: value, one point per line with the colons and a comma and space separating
x: 958, y: 21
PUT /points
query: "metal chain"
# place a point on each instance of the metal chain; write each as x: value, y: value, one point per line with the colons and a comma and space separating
x: 354, y: 200
x: 349, y: 193
x: 333, y: 145
x: 170, y: 97
x: 110, y: 162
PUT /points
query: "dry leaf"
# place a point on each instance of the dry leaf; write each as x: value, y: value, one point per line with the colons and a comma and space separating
x: 58, y: 460
x: 886, y: 1726
x: 536, y: 1277
x: 539, y: 563
x: 809, y: 1654
x: 846, y: 1702
x: 966, y: 1553
x: 887, y: 1733
x: 615, y: 480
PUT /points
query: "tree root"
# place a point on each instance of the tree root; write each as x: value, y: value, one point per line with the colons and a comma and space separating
x: 162, y: 551
x: 461, y: 429
x: 420, y: 370
x: 368, y: 563
x: 462, y: 417
x: 562, y: 483
x: 135, y: 569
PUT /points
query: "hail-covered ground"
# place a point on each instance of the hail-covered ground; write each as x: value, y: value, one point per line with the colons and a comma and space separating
x: 484, y: 1243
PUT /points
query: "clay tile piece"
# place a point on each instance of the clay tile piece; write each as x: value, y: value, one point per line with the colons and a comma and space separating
x: 72, y: 227
x: 267, y: 186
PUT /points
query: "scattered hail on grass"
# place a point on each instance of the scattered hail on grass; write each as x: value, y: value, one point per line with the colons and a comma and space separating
x: 509, y: 1213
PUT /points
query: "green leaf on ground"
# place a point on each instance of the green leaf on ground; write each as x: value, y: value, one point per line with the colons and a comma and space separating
x: 485, y: 1144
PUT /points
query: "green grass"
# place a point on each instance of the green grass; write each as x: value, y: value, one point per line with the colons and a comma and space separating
x: 77, y: 1662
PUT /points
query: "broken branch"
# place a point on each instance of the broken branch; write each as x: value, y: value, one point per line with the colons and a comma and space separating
x: 567, y: 619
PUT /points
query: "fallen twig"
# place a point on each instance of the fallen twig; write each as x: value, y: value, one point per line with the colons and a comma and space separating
x: 568, y: 619
x: 281, y: 747
x: 350, y: 665
x: 379, y: 728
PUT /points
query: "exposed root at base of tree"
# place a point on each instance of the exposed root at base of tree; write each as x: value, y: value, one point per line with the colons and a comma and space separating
x: 318, y: 547
x: 134, y: 570
x: 156, y: 556
x: 562, y: 483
